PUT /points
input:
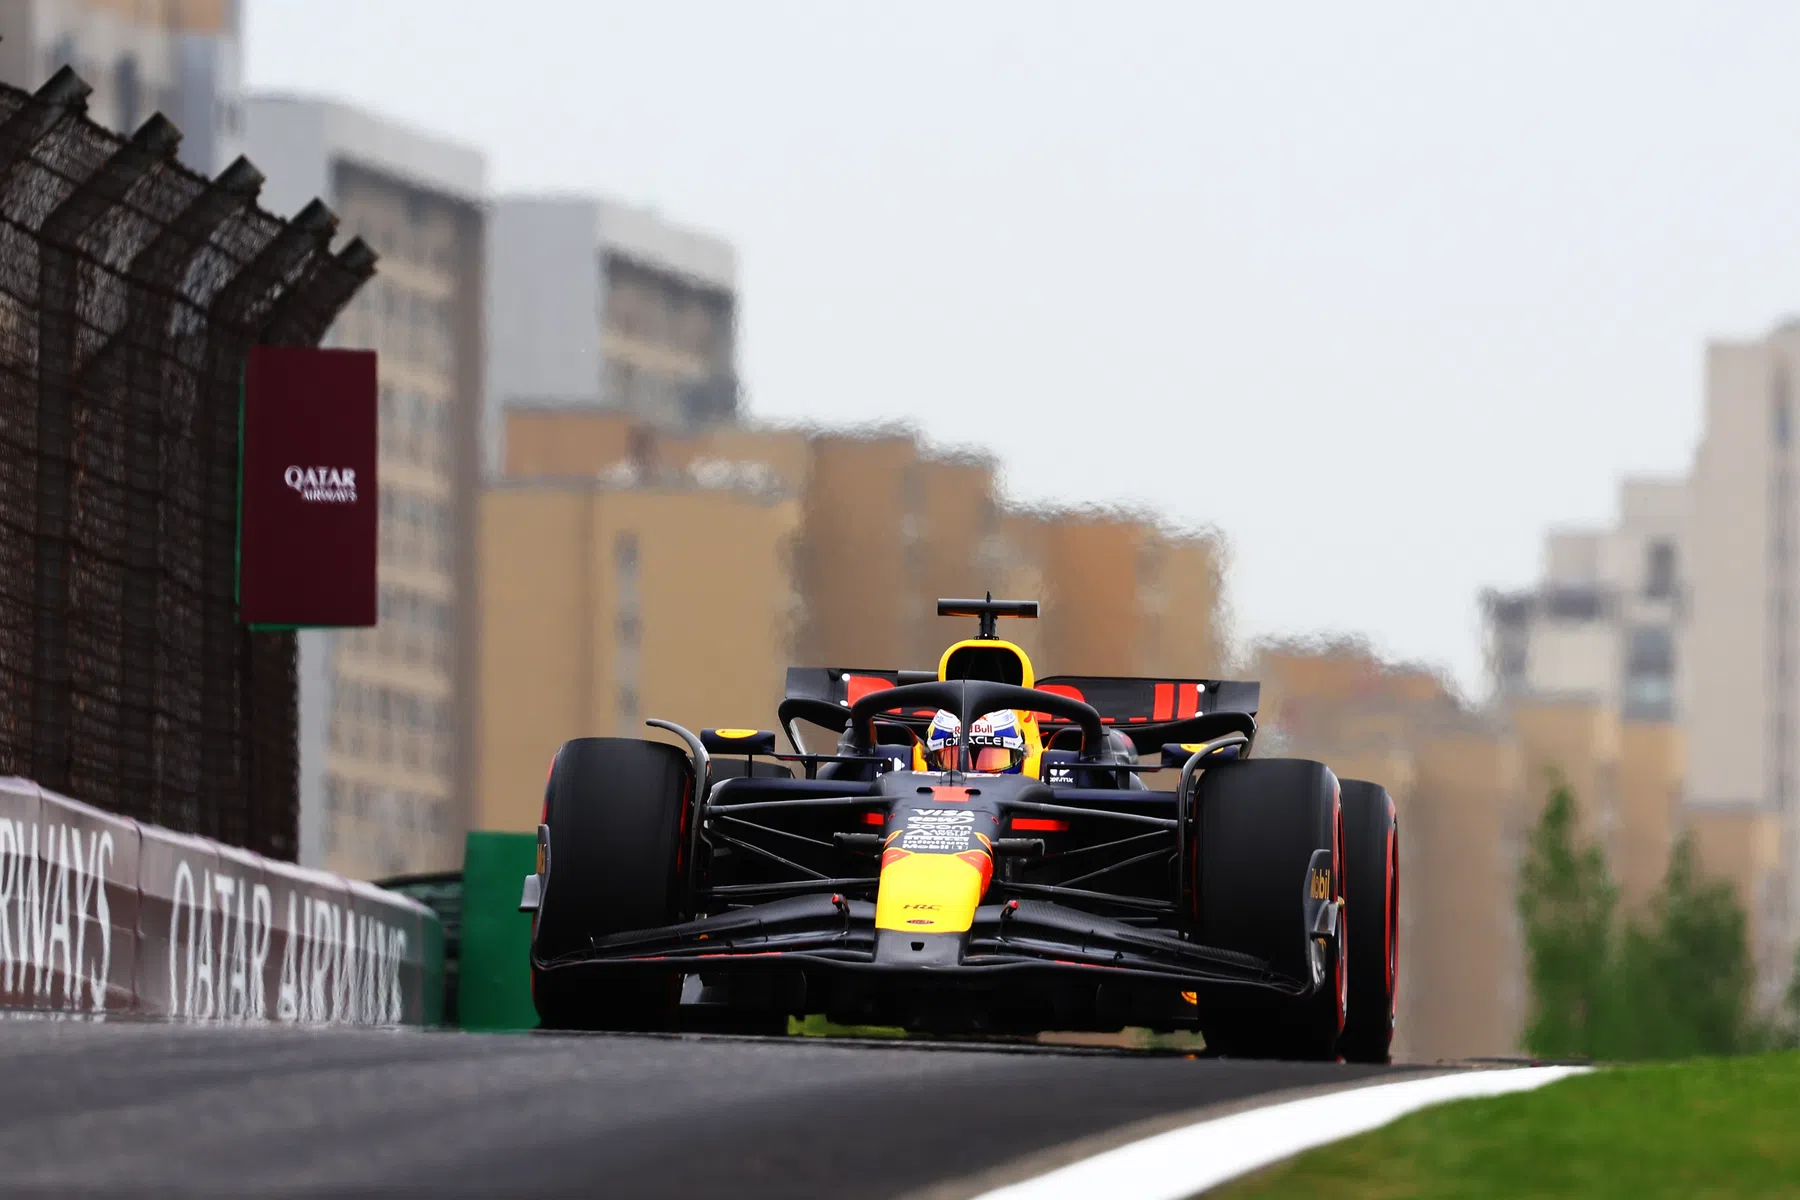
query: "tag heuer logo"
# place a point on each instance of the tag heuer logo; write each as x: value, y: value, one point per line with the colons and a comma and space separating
x: 322, y: 485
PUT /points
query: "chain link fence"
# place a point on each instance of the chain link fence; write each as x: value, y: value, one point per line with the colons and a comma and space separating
x: 131, y: 290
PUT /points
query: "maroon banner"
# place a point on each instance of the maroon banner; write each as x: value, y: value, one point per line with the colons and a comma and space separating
x: 308, y: 537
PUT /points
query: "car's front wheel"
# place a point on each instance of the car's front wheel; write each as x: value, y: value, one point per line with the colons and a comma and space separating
x: 615, y: 811
x: 1372, y: 897
x: 1259, y: 823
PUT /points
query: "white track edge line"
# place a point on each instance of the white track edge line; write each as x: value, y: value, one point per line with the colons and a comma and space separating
x: 1188, y: 1160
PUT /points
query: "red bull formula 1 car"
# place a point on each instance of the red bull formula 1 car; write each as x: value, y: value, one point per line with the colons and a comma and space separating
x: 980, y: 852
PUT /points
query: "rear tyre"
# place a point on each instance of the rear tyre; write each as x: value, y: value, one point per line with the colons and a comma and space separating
x: 616, y: 810
x: 1260, y: 821
x: 1372, y: 894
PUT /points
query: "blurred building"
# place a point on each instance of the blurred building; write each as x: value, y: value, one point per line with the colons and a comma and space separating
x: 178, y: 57
x: 1742, y: 843
x: 648, y: 592
x: 890, y: 525
x: 890, y: 528
x: 845, y: 542
x: 1741, y: 689
x: 1122, y: 594
x: 594, y: 304
x: 385, y: 745
x: 1468, y: 785
x: 1457, y: 783
x: 1601, y: 624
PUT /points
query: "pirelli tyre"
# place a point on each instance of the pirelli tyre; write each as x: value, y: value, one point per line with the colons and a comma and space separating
x: 1259, y: 824
x: 615, y: 809
x: 1372, y: 902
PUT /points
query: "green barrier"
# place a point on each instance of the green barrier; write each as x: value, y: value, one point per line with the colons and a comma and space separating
x: 494, y: 984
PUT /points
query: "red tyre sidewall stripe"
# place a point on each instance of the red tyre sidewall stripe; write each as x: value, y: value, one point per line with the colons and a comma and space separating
x: 1392, y: 918
x: 1337, y: 856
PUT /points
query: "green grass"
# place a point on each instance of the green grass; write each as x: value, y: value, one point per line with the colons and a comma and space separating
x: 1707, y: 1127
x: 817, y: 1026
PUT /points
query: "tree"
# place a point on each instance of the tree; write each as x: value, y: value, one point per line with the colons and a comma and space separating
x: 1677, y: 985
x: 1684, y: 983
x: 1566, y: 901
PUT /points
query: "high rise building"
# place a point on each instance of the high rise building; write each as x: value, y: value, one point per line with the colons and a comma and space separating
x: 594, y: 304
x: 385, y: 784
x: 182, y: 58
x: 1601, y: 624
x: 1740, y: 687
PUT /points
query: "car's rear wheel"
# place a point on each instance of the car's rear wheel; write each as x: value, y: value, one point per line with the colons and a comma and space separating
x: 1372, y: 897
x: 615, y: 808
x: 1259, y: 823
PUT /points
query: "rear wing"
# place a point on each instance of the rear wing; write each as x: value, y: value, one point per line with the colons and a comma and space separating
x: 823, y: 695
x: 1150, y: 711
x: 1155, y: 712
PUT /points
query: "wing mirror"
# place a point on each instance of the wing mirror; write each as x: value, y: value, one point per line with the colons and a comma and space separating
x: 738, y: 741
x: 1176, y: 754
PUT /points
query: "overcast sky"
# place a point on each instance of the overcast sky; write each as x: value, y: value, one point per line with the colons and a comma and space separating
x: 1377, y: 290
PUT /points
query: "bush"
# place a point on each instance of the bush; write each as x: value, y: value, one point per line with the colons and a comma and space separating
x: 1677, y: 986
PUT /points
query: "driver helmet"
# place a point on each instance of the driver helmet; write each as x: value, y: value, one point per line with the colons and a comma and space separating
x: 996, y: 744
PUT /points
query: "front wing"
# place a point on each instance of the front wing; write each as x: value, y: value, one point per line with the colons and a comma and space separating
x: 824, y: 934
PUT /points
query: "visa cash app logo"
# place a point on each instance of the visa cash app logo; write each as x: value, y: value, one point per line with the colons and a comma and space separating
x: 322, y: 485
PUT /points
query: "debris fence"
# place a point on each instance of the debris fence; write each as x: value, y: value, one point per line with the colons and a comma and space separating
x: 131, y: 289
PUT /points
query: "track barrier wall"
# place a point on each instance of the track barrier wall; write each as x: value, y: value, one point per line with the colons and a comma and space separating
x: 100, y: 914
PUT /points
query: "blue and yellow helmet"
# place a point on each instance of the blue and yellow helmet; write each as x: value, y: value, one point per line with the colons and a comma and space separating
x: 996, y: 744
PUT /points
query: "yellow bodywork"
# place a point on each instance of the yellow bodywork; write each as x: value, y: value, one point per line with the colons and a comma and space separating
x: 1034, y: 744
x: 931, y: 893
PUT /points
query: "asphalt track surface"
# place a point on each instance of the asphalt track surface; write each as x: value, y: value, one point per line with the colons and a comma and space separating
x: 134, y: 1109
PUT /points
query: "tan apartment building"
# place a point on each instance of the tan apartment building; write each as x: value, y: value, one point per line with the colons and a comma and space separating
x: 557, y: 442
x: 1740, y: 687
x: 606, y: 603
x: 890, y: 526
x: 1649, y: 815
x: 1122, y: 595
x: 385, y: 784
x: 1462, y: 949
x: 1743, y: 844
x: 1577, y: 742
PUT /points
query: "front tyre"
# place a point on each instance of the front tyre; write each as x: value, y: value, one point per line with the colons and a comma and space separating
x: 616, y: 809
x: 1259, y: 823
x: 1372, y: 899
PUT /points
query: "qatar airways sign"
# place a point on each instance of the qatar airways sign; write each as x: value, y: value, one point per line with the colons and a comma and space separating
x: 322, y: 485
x: 308, y: 533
